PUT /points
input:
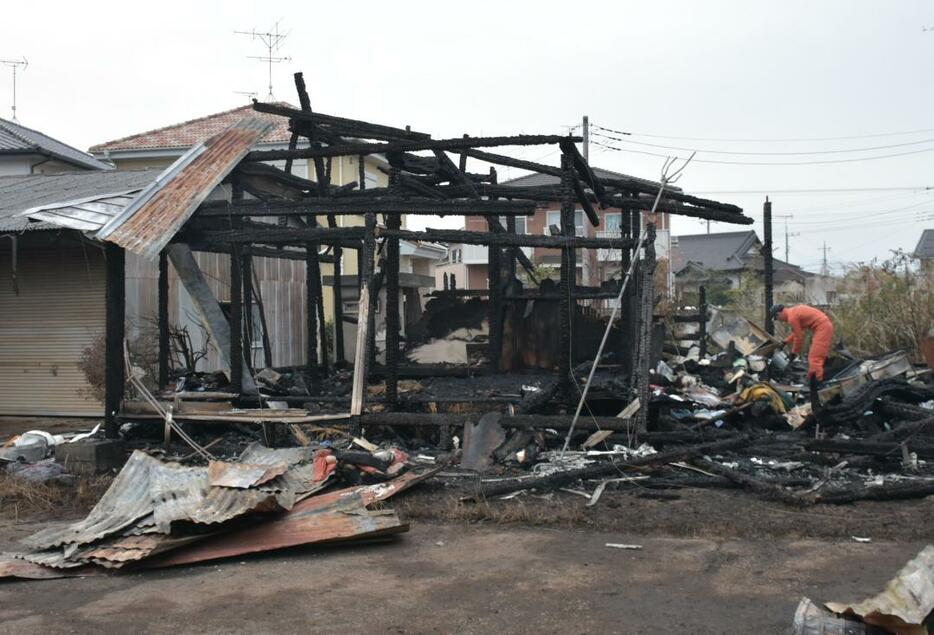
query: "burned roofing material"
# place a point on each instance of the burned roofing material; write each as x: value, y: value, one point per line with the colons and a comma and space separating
x: 18, y: 139
x: 149, y: 223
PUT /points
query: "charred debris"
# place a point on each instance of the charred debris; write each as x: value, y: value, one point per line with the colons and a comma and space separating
x: 525, y: 387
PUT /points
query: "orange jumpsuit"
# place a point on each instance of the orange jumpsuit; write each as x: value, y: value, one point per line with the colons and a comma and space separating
x: 803, y: 317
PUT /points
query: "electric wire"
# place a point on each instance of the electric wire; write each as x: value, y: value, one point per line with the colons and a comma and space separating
x: 774, y: 140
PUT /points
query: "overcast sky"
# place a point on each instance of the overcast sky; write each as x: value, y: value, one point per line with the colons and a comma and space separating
x: 699, y: 75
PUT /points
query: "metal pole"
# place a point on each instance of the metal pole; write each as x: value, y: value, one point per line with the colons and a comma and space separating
x: 586, y: 135
x: 767, y: 265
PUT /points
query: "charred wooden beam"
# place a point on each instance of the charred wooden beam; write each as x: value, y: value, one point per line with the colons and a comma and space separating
x: 339, y: 125
x: 583, y: 168
x: 115, y: 317
x: 503, y: 239
x: 559, y: 479
x: 344, y: 236
x: 394, y: 221
x: 456, y: 144
x: 567, y: 282
x: 356, y: 206
x: 648, y: 187
x: 585, y: 202
x: 767, y: 490
x: 511, y: 162
x: 236, y: 319
x: 162, y: 317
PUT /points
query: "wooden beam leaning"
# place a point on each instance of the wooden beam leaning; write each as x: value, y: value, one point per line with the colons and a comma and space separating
x: 358, y: 388
x: 583, y: 168
x: 461, y: 144
x: 357, y: 206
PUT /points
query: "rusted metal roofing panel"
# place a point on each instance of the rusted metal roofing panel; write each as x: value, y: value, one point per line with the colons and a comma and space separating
x: 149, y: 223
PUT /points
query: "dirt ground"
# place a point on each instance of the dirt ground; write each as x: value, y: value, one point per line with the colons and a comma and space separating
x: 459, y: 578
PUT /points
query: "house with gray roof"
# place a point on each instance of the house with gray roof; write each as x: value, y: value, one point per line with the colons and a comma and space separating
x: 719, y: 261
x: 924, y: 251
x: 24, y: 151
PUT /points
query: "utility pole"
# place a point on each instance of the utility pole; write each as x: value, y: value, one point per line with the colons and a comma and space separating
x: 767, y: 264
x: 15, y: 65
x: 272, y: 40
x: 785, y: 217
x: 824, y: 269
x: 585, y: 125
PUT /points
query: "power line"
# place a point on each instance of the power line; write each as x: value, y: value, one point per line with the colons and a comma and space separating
x: 838, y: 190
x: 802, y: 152
x: 769, y: 163
x: 787, y: 139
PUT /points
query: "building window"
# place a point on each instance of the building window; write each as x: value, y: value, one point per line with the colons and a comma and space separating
x: 521, y: 224
x: 611, y: 222
x: 554, y: 218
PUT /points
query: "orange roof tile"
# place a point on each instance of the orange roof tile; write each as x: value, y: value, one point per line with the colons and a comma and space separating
x: 188, y: 133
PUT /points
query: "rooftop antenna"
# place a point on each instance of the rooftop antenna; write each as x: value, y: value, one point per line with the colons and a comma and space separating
x: 272, y: 40
x: 249, y: 94
x: 15, y: 65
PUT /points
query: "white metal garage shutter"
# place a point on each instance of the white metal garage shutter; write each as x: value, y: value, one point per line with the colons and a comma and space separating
x: 44, y: 329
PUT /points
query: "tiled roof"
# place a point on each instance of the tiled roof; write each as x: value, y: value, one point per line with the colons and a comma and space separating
x: 188, y: 133
x: 715, y: 252
x: 538, y: 179
x: 925, y: 248
x: 18, y: 139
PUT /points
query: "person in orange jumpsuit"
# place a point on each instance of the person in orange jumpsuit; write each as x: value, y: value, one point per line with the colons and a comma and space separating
x: 803, y: 318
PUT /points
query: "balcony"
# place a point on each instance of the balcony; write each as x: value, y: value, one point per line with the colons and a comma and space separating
x: 478, y: 254
x: 612, y: 255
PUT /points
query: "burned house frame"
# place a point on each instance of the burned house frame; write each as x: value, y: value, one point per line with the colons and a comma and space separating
x: 271, y: 212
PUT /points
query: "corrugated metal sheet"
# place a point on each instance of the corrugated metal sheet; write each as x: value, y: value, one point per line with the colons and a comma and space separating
x: 125, y: 501
x: 85, y: 214
x: 149, y: 223
x: 20, y: 193
x: 45, y: 328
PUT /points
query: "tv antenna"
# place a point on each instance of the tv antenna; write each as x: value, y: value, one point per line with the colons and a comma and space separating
x: 15, y: 65
x: 249, y: 94
x: 272, y: 40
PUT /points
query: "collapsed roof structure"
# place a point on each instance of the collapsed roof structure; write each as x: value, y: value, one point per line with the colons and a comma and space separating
x: 222, y: 196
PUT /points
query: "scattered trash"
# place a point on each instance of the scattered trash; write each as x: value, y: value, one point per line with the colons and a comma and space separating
x: 861, y: 539
x: 617, y: 545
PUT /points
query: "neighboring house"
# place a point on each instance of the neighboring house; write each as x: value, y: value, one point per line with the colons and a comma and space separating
x: 26, y: 151
x: 719, y: 262
x: 925, y: 250
x: 468, y: 263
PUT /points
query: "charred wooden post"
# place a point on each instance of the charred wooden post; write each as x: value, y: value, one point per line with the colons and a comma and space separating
x: 630, y: 306
x: 162, y: 317
x: 312, y: 290
x: 338, y: 294
x: 114, y: 368
x: 767, y: 263
x: 236, y: 318
x: 644, y: 343
x: 494, y: 280
x: 702, y: 325
x: 568, y: 278
x: 369, y: 263
x: 247, y: 279
x: 394, y: 221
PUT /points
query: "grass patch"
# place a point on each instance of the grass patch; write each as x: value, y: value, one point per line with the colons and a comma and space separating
x: 20, y: 498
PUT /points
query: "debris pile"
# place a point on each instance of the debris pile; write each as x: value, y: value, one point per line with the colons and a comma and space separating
x: 744, y: 417
x: 903, y: 607
x: 159, y: 513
